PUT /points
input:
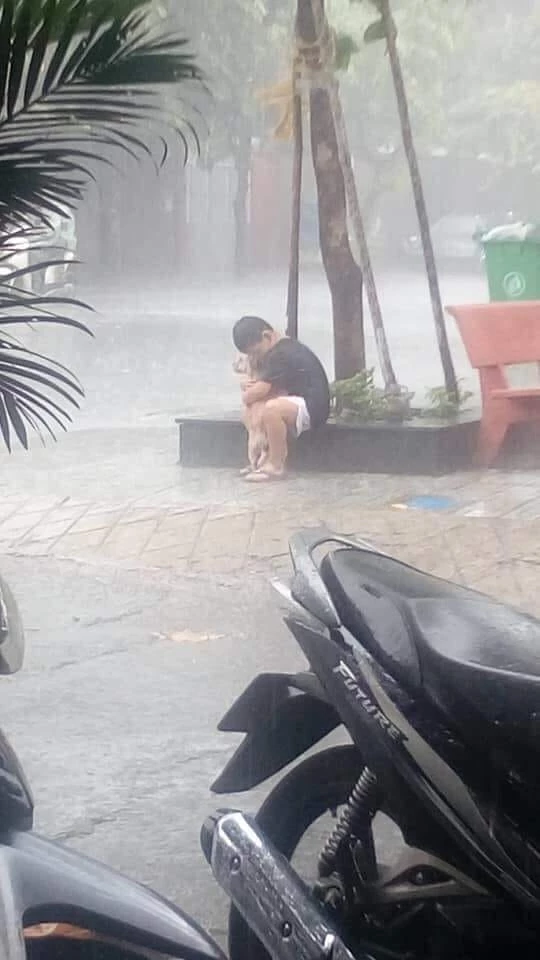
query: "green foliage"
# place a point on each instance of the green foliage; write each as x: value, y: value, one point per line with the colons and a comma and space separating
x: 346, y: 48
x: 374, y: 32
x: 73, y: 97
x: 444, y: 405
x: 77, y: 78
x: 115, y: 8
x: 359, y: 399
x: 34, y: 389
x: 471, y: 71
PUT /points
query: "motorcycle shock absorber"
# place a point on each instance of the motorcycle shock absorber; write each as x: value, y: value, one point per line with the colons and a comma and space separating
x: 355, y: 820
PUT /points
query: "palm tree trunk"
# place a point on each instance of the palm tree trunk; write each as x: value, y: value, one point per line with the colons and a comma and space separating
x: 383, y: 350
x: 418, y: 191
x: 343, y: 273
x: 294, y: 258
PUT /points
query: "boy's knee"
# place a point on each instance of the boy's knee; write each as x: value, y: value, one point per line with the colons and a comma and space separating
x: 272, y: 408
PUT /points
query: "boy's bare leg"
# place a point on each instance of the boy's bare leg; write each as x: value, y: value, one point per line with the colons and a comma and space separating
x: 278, y: 416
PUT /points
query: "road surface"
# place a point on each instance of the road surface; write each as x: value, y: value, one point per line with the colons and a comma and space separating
x: 114, y: 715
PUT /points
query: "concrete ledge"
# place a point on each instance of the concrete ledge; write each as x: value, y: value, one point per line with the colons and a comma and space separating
x: 423, y: 447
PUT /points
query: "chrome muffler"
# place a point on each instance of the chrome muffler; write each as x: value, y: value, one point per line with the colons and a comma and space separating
x: 271, y: 897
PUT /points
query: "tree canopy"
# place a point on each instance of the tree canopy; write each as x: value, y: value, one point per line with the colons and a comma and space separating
x: 469, y: 91
x: 242, y: 45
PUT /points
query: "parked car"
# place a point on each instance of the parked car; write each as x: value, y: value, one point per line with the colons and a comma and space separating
x: 57, y: 240
x: 455, y: 237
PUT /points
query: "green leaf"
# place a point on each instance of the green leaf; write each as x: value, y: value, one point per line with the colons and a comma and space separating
x: 34, y: 389
x: 6, y: 28
x: 4, y: 423
x: 346, y: 47
x: 39, y: 51
x: 78, y: 79
x: 79, y: 76
x: 12, y: 410
x: 19, y: 49
x: 71, y: 26
x: 375, y: 32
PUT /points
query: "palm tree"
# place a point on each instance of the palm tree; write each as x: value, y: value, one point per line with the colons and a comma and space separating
x: 79, y: 79
x: 385, y: 29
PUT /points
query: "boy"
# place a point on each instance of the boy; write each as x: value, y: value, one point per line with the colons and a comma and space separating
x: 290, y: 392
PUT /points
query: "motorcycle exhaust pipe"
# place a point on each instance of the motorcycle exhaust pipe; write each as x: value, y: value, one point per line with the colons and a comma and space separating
x: 271, y: 897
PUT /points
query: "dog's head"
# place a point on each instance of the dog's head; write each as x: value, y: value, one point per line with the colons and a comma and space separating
x: 241, y: 365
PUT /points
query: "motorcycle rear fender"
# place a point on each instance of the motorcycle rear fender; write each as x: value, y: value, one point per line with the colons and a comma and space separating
x: 282, y: 716
x: 43, y: 882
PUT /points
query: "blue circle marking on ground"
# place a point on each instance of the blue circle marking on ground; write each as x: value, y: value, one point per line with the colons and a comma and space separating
x: 431, y: 503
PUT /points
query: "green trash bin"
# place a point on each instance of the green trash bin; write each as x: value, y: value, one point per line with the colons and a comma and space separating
x: 513, y: 262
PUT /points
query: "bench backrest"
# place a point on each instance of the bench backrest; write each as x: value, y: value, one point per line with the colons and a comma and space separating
x: 499, y: 334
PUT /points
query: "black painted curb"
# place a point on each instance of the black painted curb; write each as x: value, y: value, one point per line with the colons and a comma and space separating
x: 416, y: 447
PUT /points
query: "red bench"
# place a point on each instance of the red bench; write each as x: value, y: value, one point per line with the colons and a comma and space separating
x: 496, y: 337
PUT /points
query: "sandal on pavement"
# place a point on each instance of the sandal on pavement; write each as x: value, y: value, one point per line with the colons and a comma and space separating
x: 262, y: 476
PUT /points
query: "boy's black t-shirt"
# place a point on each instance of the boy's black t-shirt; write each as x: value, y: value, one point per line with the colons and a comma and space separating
x: 294, y: 369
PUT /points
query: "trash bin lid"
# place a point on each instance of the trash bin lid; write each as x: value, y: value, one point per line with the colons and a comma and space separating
x: 513, y: 232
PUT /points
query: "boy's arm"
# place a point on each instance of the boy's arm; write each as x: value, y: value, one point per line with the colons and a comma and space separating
x: 255, y: 391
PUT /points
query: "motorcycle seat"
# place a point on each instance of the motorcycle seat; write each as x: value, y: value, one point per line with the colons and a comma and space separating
x: 471, y: 655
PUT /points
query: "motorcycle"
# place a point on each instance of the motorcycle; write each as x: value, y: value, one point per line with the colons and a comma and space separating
x: 438, y: 690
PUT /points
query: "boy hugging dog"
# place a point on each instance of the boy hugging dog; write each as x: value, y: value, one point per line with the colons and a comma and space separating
x: 285, y: 392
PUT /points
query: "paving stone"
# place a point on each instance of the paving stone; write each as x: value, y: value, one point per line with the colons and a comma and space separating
x: 48, y: 531
x: 33, y: 548
x: 98, y: 520
x: 73, y: 544
x: 128, y: 540
x: 68, y: 512
x: 20, y: 523
x: 211, y: 521
x: 179, y: 534
x: 224, y: 537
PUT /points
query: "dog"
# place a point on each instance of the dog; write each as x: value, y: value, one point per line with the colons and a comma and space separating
x: 257, y: 442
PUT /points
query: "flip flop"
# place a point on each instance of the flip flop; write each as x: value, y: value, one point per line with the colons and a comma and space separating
x: 262, y: 477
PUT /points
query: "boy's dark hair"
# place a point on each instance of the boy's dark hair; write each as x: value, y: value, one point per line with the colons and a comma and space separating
x: 249, y: 331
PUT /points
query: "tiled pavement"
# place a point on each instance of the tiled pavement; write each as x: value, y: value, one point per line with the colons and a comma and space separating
x: 489, y: 537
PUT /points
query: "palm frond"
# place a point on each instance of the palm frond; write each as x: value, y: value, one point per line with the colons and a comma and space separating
x: 36, y: 392
x: 77, y: 79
